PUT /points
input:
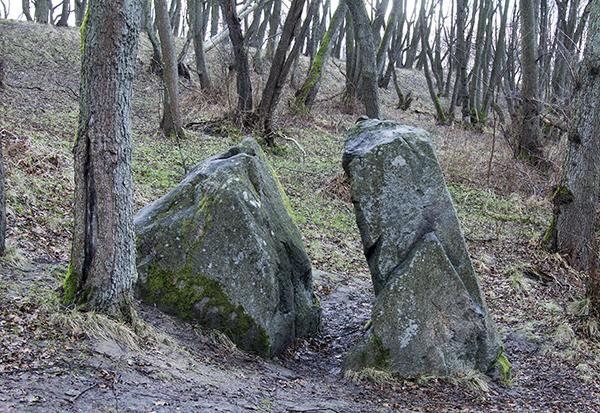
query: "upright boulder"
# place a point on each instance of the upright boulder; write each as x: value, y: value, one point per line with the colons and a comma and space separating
x: 222, y: 249
x: 430, y: 316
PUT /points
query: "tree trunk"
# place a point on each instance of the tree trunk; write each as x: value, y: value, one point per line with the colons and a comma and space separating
x: 26, y: 10
x: 244, y: 85
x: 175, y: 17
x: 390, y: 28
x: 42, y: 10
x: 364, y: 35
x: 529, y: 139
x: 352, y: 64
x: 281, y: 65
x: 64, y: 15
x: 170, y: 122
x: 497, y: 63
x: 273, y: 27
x: 441, y: 117
x: 196, y: 26
x: 306, y: 95
x: 575, y: 201
x: 214, y: 17
x: 102, y: 269
x: 156, y: 62
x: 2, y: 192
x: 80, y: 8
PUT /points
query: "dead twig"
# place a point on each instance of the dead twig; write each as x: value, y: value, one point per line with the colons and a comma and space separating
x: 72, y: 399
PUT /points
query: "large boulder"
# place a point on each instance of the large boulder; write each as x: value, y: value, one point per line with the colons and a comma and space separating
x: 430, y: 316
x: 222, y: 249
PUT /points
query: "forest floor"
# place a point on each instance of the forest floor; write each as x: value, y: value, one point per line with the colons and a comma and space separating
x: 56, y: 359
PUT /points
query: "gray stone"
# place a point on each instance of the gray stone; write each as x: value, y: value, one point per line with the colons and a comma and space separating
x: 222, y: 249
x: 430, y: 316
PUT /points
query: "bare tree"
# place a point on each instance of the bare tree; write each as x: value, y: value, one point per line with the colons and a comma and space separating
x: 368, y: 63
x: 42, y: 10
x: 25, y: 6
x: 281, y: 64
x: 2, y: 192
x: 64, y: 15
x: 573, y: 228
x: 80, y: 8
x: 102, y: 269
x: 307, y: 93
x: 244, y: 85
x: 529, y: 140
x: 197, y: 26
x: 171, y: 120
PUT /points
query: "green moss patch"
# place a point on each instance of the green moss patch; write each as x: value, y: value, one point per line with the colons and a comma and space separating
x: 197, y: 298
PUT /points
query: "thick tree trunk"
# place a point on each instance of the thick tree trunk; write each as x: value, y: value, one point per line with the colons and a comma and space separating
x: 575, y: 201
x: 171, y: 120
x: 2, y: 192
x: 530, y: 137
x: 42, y: 10
x: 102, y: 269
x: 244, y: 85
x: 364, y: 34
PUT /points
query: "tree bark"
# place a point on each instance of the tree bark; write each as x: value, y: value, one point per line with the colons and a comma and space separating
x: 171, y: 120
x: 274, y: 21
x: 25, y: 6
x: 64, y: 15
x: 364, y: 34
x: 42, y: 10
x: 102, y: 269
x: 573, y: 227
x: 148, y: 26
x: 80, y: 8
x: 281, y: 64
x: 462, y: 56
x: 529, y: 139
x: 306, y: 95
x: 2, y: 192
x: 387, y: 36
x: 175, y: 16
x: 494, y: 78
x: 244, y: 85
x: 441, y: 117
x: 196, y: 26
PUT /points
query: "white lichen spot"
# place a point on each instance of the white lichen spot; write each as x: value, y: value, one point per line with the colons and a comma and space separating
x: 250, y: 200
x: 411, y: 331
x: 399, y: 161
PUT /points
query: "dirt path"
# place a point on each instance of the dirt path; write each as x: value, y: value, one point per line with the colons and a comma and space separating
x: 50, y: 367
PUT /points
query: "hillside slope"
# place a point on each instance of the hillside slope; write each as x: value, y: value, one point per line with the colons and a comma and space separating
x: 58, y: 359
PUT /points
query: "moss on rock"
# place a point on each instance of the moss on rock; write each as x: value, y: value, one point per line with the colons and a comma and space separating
x: 198, y: 298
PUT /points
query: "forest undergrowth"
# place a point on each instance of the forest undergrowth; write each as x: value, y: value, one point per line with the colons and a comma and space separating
x: 60, y: 359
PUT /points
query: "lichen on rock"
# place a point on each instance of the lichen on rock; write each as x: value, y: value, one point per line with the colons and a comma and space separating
x: 430, y: 316
x: 222, y: 249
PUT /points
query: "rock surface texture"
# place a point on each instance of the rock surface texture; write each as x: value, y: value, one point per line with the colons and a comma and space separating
x: 222, y: 249
x: 430, y: 316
